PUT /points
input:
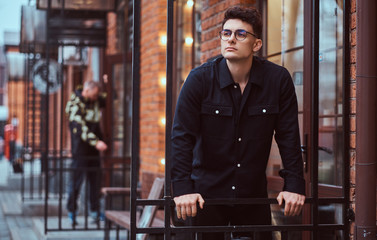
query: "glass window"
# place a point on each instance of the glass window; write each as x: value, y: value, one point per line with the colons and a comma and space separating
x: 188, y: 22
x: 330, y: 93
x: 285, y: 37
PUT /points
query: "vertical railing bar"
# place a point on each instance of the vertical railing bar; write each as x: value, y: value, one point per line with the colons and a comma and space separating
x: 61, y: 138
x: 314, y: 115
x: 45, y: 154
x: 135, y: 113
x: 31, y: 190
x: 27, y: 84
x: 86, y: 190
x: 169, y: 115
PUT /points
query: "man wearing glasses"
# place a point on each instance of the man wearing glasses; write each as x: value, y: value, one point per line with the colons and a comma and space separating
x: 226, y: 115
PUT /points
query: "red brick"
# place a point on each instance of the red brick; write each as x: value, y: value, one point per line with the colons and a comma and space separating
x: 352, y: 176
x: 352, y: 123
x: 353, y: 38
x: 353, y: 55
x: 353, y: 6
x: 352, y: 140
x: 353, y: 72
x: 352, y: 158
x: 353, y: 106
x: 353, y: 21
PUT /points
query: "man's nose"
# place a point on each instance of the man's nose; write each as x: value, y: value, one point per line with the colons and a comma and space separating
x: 232, y: 37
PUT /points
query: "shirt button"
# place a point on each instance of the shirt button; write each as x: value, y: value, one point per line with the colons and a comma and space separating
x: 217, y: 111
x: 235, y: 86
x: 238, y: 165
x: 264, y: 110
x: 233, y: 187
x: 239, y: 139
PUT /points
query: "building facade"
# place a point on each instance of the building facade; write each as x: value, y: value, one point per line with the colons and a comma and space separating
x: 328, y: 46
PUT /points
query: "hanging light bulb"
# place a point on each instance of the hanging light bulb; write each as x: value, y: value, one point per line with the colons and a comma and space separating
x: 190, y: 3
x: 189, y: 41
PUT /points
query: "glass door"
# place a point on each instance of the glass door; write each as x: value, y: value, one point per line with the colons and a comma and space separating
x: 287, y: 25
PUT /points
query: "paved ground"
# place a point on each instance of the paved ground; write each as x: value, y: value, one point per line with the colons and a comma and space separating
x: 22, y: 220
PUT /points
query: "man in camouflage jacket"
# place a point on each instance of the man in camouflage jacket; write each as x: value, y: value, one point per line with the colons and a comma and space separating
x: 83, y: 110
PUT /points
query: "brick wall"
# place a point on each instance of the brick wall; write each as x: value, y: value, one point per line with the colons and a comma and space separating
x: 152, y: 101
x: 212, y: 16
x: 353, y: 107
x: 111, y: 34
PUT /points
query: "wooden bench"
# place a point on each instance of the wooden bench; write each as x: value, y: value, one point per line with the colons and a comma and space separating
x: 123, y: 218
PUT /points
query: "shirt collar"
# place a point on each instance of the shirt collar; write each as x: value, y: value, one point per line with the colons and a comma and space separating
x: 255, y: 75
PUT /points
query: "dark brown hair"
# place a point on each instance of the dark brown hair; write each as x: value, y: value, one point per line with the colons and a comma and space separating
x: 248, y: 15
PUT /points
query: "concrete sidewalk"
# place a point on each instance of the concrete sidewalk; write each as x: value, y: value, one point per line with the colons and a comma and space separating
x: 24, y: 220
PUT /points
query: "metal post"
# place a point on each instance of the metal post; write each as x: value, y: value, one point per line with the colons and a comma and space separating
x: 314, y: 115
x: 169, y: 115
x: 45, y: 153
x: 366, y: 86
x: 135, y: 114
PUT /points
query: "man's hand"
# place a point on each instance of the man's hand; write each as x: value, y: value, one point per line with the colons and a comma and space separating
x: 101, y: 146
x: 293, y: 203
x: 186, y: 205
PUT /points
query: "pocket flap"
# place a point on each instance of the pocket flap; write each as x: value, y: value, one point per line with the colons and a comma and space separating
x: 262, y: 110
x: 216, y: 110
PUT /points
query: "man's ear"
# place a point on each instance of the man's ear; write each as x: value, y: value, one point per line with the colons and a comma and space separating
x: 257, y: 45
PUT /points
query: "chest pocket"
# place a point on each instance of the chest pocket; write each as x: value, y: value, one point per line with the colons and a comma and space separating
x: 263, y: 110
x: 262, y: 119
x: 216, y: 121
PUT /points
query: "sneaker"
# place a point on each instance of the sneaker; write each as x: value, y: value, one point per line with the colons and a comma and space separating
x: 72, y: 218
x: 95, y: 218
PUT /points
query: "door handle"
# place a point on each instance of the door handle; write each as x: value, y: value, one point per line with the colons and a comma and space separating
x: 304, y: 150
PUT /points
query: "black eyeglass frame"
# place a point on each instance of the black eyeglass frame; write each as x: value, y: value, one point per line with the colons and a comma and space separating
x: 235, y: 33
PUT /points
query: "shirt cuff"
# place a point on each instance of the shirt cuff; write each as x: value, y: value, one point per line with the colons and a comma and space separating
x: 182, y: 187
x: 292, y: 182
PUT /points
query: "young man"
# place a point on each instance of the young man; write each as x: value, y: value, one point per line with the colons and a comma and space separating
x: 226, y: 115
x: 84, y: 114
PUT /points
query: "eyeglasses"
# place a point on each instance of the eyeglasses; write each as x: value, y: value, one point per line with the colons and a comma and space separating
x: 239, y: 33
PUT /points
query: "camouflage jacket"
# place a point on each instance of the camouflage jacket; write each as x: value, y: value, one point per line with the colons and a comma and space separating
x: 84, y: 118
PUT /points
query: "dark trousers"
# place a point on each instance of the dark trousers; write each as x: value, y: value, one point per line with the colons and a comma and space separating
x: 84, y: 166
x: 234, y: 215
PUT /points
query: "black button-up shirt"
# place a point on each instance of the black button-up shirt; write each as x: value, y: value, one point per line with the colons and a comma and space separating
x: 221, y: 139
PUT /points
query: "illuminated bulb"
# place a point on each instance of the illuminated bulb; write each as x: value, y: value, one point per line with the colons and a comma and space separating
x: 189, y: 41
x: 162, y: 161
x: 163, y: 81
x: 163, y: 121
x: 163, y: 40
x: 190, y: 3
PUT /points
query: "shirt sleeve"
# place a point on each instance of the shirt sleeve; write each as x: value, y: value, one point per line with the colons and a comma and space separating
x: 287, y: 136
x: 75, y: 109
x: 186, y: 126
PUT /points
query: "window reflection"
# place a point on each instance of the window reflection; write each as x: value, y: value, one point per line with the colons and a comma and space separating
x: 285, y: 47
x: 330, y: 93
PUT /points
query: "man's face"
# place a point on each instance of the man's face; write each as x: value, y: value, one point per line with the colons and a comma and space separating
x: 233, y: 49
x: 91, y: 94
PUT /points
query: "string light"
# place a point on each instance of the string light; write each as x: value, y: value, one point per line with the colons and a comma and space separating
x: 163, y: 40
x: 162, y: 81
x: 190, y: 3
x: 189, y: 41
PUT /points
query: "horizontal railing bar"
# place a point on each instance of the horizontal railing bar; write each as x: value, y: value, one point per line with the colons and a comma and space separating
x: 244, y: 228
x: 143, y: 202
